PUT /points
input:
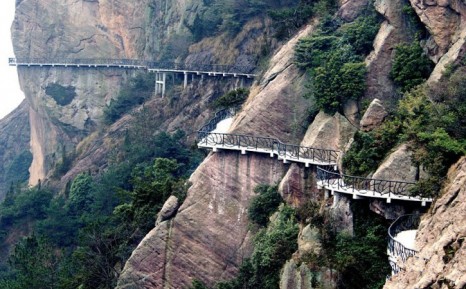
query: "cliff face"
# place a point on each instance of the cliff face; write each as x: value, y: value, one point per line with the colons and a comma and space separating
x: 440, y: 241
x: 15, y: 156
x: 101, y: 30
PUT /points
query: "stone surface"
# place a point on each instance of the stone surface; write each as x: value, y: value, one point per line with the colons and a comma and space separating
x: 398, y: 166
x: 295, y: 276
x: 209, y: 236
x: 277, y: 99
x: 330, y: 132
x: 393, y: 31
x: 440, y: 240
x: 298, y: 186
x: 14, y: 142
x: 374, y: 115
x: 168, y: 210
x: 351, y: 9
x: 309, y: 241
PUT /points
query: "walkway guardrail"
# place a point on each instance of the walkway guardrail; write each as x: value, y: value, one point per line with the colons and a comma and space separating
x: 403, y: 223
x: 135, y: 63
x: 364, y: 186
x: 208, y: 138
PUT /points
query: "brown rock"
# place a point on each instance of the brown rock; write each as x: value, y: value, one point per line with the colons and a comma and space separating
x: 374, y: 115
x: 329, y: 132
x: 440, y: 239
x: 397, y: 166
x: 209, y: 236
x: 278, y: 100
x: 351, y: 9
x: 168, y: 210
x: 298, y: 186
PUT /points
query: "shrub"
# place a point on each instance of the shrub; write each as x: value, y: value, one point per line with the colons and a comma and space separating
x: 231, y: 99
x: 264, y: 204
x: 411, y: 66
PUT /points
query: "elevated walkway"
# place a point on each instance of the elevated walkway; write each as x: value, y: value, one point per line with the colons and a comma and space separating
x: 211, y: 137
x: 360, y: 187
x: 160, y: 68
x: 401, y: 241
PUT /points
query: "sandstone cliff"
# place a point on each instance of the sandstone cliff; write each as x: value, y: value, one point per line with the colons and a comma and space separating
x: 440, y: 240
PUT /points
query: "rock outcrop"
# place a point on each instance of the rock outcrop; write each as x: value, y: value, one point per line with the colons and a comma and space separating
x: 374, y: 115
x: 398, y: 166
x: 329, y: 132
x: 168, y: 210
x: 440, y: 241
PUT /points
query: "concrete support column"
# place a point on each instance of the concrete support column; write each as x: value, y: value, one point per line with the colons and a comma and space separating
x: 185, y: 79
x: 160, y: 83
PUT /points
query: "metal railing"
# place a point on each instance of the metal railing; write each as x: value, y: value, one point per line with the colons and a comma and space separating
x: 267, y: 144
x: 151, y: 65
x: 403, y: 223
x: 364, y: 186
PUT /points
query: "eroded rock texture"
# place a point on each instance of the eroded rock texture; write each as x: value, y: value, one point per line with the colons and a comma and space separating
x: 209, y: 236
x: 440, y: 240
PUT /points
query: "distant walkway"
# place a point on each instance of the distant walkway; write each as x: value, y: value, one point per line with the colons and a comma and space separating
x: 401, y: 238
x: 193, y: 68
x: 210, y: 137
x: 360, y: 187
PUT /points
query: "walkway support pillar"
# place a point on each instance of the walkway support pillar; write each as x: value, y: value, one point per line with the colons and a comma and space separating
x: 160, y: 81
x: 185, y: 79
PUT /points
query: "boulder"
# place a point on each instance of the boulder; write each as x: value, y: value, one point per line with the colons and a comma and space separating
x: 329, y: 132
x: 351, y: 9
x: 398, y: 166
x: 374, y: 115
x: 168, y: 210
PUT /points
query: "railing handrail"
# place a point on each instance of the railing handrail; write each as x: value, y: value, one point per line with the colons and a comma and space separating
x: 361, y: 184
x: 275, y: 145
x: 402, y: 223
x: 149, y: 64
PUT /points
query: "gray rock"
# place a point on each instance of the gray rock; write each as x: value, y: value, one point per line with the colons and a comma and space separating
x: 398, y: 166
x: 168, y: 210
x: 374, y: 115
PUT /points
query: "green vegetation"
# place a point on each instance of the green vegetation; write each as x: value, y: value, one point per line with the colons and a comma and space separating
x: 272, y: 247
x: 231, y: 99
x: 263, y: 205
x: 411, y: 66
x: 431, y: 120
x: 93, y: 227
x: 289, y: 19
x: 229, y: 16
x: 61, y: 94
x: 334, y: 59
x: 134, y: 92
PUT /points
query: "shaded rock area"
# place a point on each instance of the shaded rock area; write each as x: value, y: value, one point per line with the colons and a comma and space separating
x: 209, y: 236
x: 329, y: 132
x: 350, y: 9
x: 374, y: 115
x: 440, y: 240
x: 15, y: 155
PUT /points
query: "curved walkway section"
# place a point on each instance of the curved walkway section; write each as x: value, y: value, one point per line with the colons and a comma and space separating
x: 400, y: 245
x: 193, y: 68
x: 365, y: 187
x: 207, y: 138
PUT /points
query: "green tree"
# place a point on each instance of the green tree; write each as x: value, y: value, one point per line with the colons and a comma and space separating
x: 264, y: 204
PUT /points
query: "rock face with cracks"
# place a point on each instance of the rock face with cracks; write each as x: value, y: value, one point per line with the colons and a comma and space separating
x: 209, y: 236
x: 440, y: 241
